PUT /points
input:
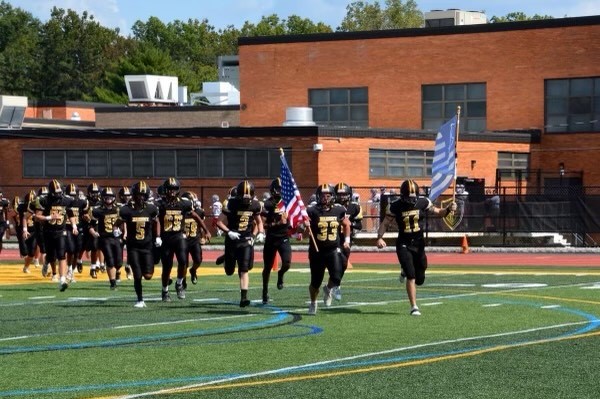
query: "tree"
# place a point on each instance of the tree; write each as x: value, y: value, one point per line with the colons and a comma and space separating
x: 76, y: 51
x: 362, y: 16
x: 273, y: 26
x: 518, y: 16
x: 19, y: 51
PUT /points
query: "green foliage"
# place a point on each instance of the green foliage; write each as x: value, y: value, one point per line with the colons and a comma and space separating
x: 362, y: 16
x: 518, y: 16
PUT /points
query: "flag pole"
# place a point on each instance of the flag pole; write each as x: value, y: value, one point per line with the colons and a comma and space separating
x: 456, y: 153
x: 310, y: 233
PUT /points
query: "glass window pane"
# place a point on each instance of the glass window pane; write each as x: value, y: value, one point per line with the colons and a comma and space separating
x: 320, y: 114
x: 142, y: 163
x: 580, y: 105
x: 377, y: 171
x: 187, y: 163
x: 476, y: 91
x: 98, y: 163
x: 275, y: 162
x: 432, y: 110
x: 338, y: 96
x: 234, y: 163
x: 597, y: 105
x: 432, y: 124
x: 475, y: 125
x: 76, y: 164
x: 55, y: 163
x: 164, y: 163
x: 556, y: 124
x: 339, y: 113
x: 416, y: 172
x: 318, y: 97
x: 454, y: 92
x: 557, y: 106
x: 450, y: 109
x: 432, y: 93
x: 211, y: 163
x: 476, y: 109
x: 557, y: 88
x: 120, y: 163
x: 580, y: 123
x: 582, y: 87
x: 359, y: 112
x: 359, y: 95
x: 257, y: 163
x: 33, y: 163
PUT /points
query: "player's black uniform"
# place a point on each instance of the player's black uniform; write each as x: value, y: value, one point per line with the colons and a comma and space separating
x: 139, y: 241
x: 171, y: 215
x: 26, y: 246
x: 192, y: 232
x: 75, y: 242
x: 277, y: 241
x: 354, y: 212
x: 325, y: 225
x: 410, y: 244
x: 103, y: 221
x: 4, y: 204
x: 54, y: 231
x: 240, y: 218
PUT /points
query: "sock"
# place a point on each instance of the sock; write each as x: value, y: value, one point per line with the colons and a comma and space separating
x: 244, y: 294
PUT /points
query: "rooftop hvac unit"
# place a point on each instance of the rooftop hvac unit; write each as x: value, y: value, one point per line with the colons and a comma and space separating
x: 217, y: 93
x: 152, y: 89
x: 453, y: 17
x: 12, y: 111
x: 299, y: 116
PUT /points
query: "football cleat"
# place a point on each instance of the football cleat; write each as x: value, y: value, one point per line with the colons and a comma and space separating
x: 194, y: 276
x: 79, y: 267
x: 54, y: 277
x: 265, y: 298
x: 415, y: 311
x: 280, y: 282
x: 63, y: 286
x: 45, y: 268
x: 93, y: 273
x: 140, y: 304
x: 337, y: 293
x: 220, y: 260
x: 327, y: 297
x: 129, y: 272
x: 180, y: 291
x: 26, y: 270
x: 402, y: 276
x: 166, y: 297
x: 312, y: 308
x: 244, y: 303
x: 118, y: 276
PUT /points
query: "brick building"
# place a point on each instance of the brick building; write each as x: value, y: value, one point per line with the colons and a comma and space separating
x: 529, y: 92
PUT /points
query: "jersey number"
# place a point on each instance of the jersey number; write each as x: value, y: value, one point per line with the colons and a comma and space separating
x: 328, y: 231
x: 173, y: 222
x: 411, y: 223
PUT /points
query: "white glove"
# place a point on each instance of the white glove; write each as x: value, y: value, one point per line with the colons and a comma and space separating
x: 260, y: 238
x: 117, y: 232
x: 233, y: 235
x: 158, y: 242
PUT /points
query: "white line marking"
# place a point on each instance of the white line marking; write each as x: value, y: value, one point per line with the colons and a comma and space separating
x: 491, y: 305
x: 432, y: 304
x: 37, y: 298
x: 550, y: 307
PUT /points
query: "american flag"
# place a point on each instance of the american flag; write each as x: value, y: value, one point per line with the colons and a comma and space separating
x: 290, y: 195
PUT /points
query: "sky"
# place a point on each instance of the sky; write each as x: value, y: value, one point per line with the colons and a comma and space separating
x: 123, y: 14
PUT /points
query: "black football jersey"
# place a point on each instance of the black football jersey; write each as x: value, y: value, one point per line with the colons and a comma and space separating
x: 139, y: 224
x: 79, y: 208
x: 171, y: 216
x: 273, y: 211
x: 23, y: 212
x: 240, y: 217
x: 325, y: 225
x: 56, y: 206
x: 191, y: 226
x: 104, y: 220
x: 3, y: 209
x: 354, y: 212
x: 410, y: 217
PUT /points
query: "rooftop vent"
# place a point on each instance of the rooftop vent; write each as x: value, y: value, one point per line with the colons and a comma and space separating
x: 299, y: 116
x: 152, y: 89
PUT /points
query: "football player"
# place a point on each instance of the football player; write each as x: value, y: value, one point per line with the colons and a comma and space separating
x: 343, y: 196
x: 232, y: 194
x: 240, y: 221
x: 75, y: 242
x: 90, y: 243
x: 409, y: 211
x: 124, y: 199
x: 193, y: 230
x: 25, y: 229
x: 171, y: 214
x: 4, y: 206
x: 53, y: 210
x: 277, y: 238
x: 326, y: 220
x: 139, y: 222
x: 103, y: 226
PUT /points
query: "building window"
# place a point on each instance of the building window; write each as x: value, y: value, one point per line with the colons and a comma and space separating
x: 439, y: 103
x: 340, y: 106
x: 511, y: 164
x: 572, y: 105
x: 400, y: 163
x: 185, y: 163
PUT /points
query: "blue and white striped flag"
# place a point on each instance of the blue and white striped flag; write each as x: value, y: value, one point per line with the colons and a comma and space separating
x: 443, y: 168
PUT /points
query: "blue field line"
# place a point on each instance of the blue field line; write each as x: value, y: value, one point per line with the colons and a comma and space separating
x: 277, y: 318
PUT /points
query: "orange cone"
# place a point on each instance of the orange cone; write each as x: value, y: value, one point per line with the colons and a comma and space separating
x: 275, y: 266
x: 465, y: 245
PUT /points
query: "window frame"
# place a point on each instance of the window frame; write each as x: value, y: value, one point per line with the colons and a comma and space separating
x: 353, y: 102
x: 473, y: 105
x: 405, y: 161
x: 569, y: 120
